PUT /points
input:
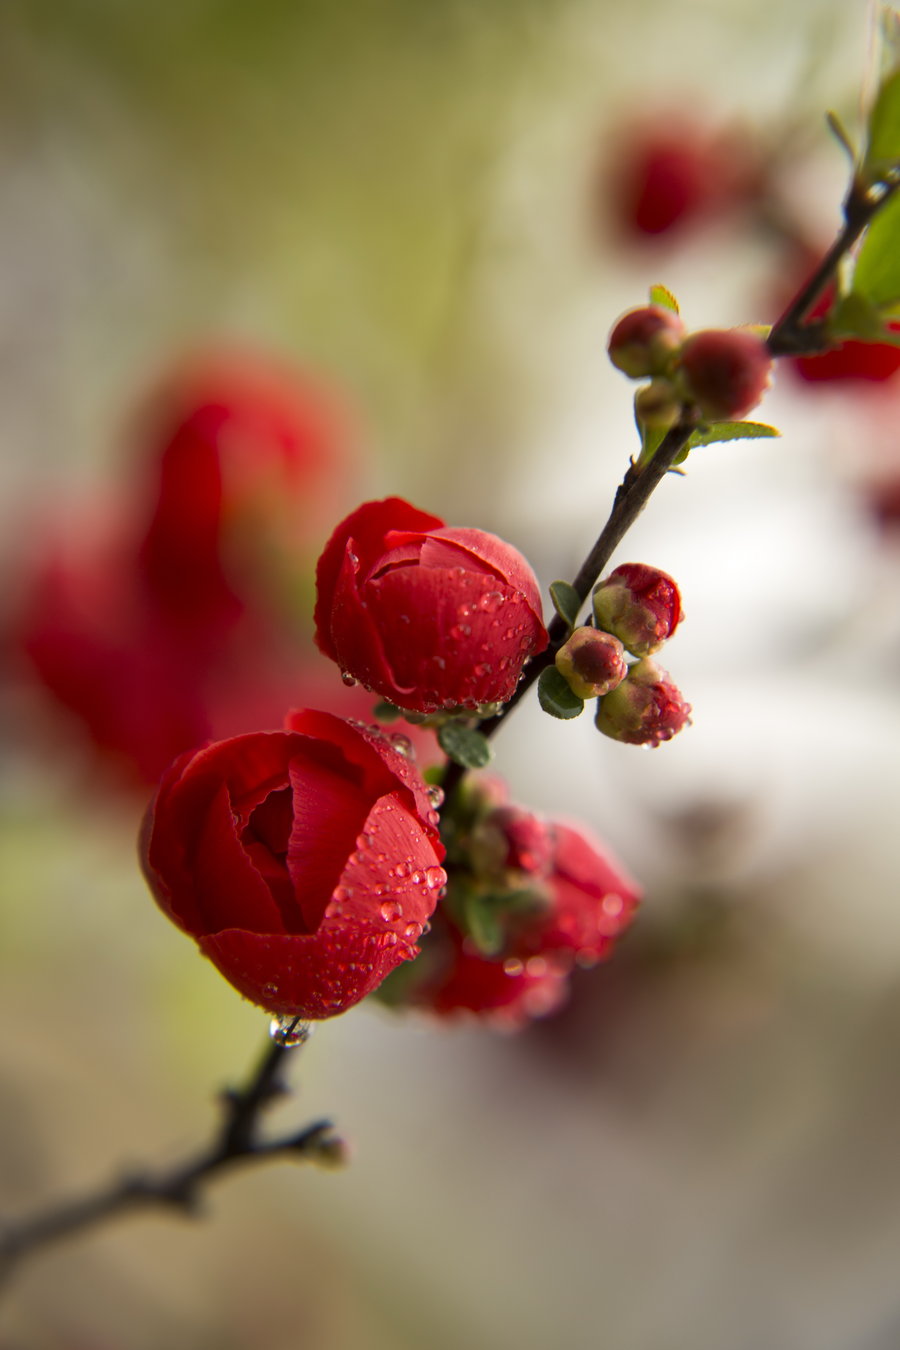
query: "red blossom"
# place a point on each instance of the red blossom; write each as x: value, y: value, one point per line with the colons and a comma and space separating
x: 427, y: 617
x: 305, y: 863
x: 506, y: 994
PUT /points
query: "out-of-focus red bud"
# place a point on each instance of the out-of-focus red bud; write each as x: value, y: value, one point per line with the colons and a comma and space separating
x: 644, y: 341
x: 725, y: 371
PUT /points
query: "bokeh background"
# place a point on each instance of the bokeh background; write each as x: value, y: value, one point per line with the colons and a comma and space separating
x: 415, y: 204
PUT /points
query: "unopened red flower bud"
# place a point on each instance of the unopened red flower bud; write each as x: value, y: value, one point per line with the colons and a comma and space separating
x: 645, y: 709
x: 657, y: 404
x: 725, y: 371
x: 592, y: 662
x: 511, y: 839
x: 640, y: 605
x: 644, y: 341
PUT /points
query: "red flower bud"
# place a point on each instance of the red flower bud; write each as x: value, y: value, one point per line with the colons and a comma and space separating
x: 511, y: 839
x: 725, y: 371
x: 640, y: 605
x: 305, y: 862
x: 591, y: 900
x: 426, y: 616
x: 592, y: 662
x: 646, y: 708
x: 644, y: 341
x: 505, y: 993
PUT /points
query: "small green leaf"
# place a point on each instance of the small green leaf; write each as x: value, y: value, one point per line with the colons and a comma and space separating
x: 840, y: 134
x: 464, y: 745
x: 731, y: 431
x: 566, y: 601
x: 662, y: 296
x: 883, y: 141
x: 876, y: 276
x: 651, y: 439
x: 555, y: 696
x: 484, y: 923
x: 386, y: 712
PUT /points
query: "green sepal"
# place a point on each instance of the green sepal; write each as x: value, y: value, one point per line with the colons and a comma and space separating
x: 651, y: 439
x: 663, y: 297
x: 464, y: 745
x: 483, y: 915
x: 566, y: 601
x: 555, y: 696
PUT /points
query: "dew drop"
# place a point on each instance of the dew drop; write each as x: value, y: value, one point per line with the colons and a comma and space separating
x: 512, y: 966
x: 612, y: 905
x: 402, y: 869
x: 286, y: 1029
x: 403, y: 745
x: 412, y: 931
x: 436, y: 796
x: 391, y: 911
x: 435, y: 878
x: 349, y: 680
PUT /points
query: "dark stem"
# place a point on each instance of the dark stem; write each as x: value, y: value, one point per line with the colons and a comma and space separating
x: 631, y: 497
x: 236, y: 1141
x: 793, y: 334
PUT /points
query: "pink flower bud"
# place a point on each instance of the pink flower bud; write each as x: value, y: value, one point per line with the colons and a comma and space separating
x: 725, y: 371
x: 592, y: 662
x: 640, y: 605
x: 645, y: 709
x: 644, y: 341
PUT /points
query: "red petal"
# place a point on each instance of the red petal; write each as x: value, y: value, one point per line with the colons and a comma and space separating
x: 329, y: 813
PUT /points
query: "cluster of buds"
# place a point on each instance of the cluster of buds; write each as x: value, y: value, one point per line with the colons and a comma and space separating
x: 715, y: 374
x: 635, y: 610
x: 527, y: 900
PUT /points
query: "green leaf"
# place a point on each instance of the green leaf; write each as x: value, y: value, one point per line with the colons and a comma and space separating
x: 566, y: 601
x: 651, y: 440
x: 484, y: 923
x: 662, y: 296
x: 555, y: 696
x: 840, y: 134
x: 732, y: 431
x: 883, y: 143
x: 876, y: 276
x: 386, y: 712
x: 464, y: 745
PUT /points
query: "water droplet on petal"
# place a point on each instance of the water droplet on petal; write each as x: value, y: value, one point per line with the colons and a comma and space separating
x: 349, y: 680
x: 612, y: 905
x: 435, y: 877
x: 391, y: 911
x: 412, y: 931
x: 286, y: 1029
x: 512, y: 966
x: 436, y: 796
x: 403, y: 745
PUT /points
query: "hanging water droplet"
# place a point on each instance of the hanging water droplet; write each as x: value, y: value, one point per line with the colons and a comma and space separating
x: 403, y: 745
x: 436, y: 796
x: 349, y: 680
x: 435, y: 877
x: 286, y: 1029
x: 412, y: 931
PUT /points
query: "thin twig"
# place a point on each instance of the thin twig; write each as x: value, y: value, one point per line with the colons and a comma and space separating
x: 235, y: 1142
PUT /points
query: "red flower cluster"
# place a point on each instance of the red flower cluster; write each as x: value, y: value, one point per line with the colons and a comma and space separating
x: 528, y: 898
x: 428, y: 617
x: 305, y: 863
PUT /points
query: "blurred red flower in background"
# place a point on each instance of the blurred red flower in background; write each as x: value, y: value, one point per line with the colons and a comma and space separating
x: 160, y: 628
